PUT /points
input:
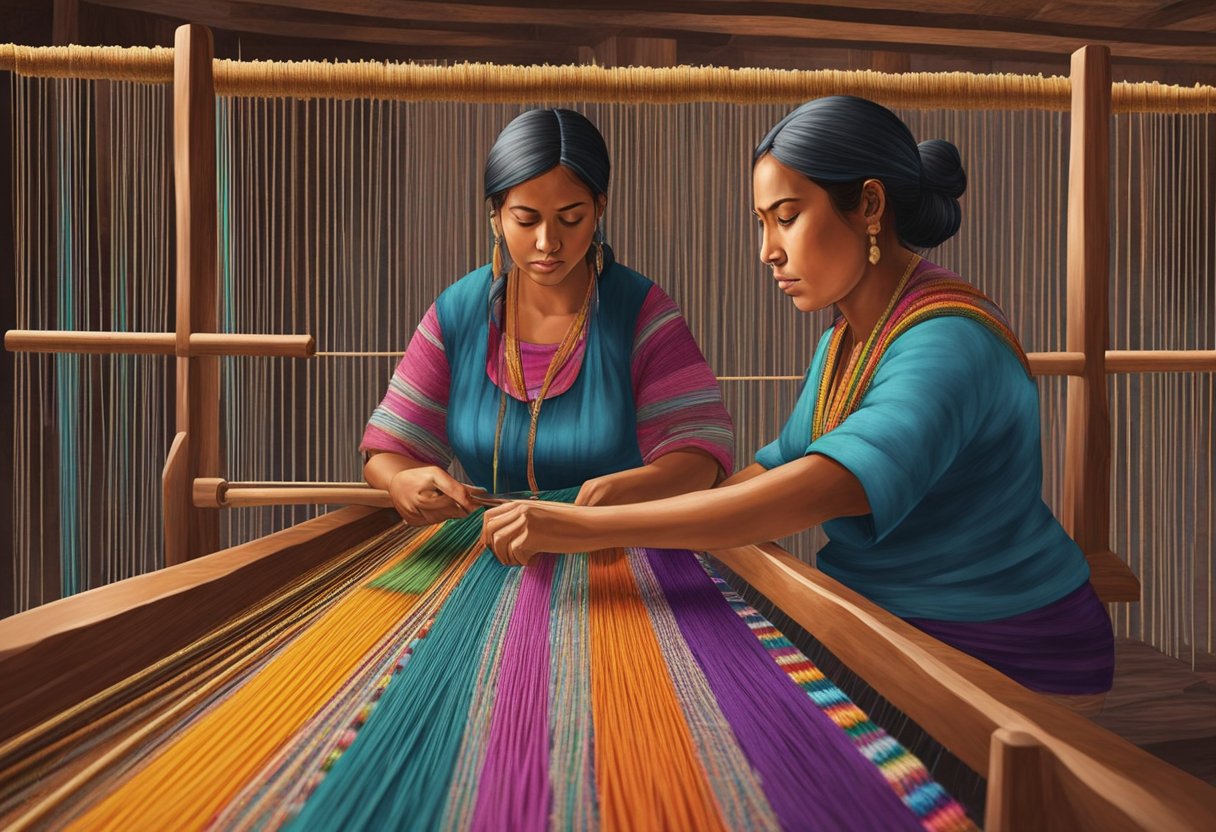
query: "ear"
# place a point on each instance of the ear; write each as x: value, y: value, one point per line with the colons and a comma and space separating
x: 873, y: 202
x: 494, y: 229
x: 601, y: 205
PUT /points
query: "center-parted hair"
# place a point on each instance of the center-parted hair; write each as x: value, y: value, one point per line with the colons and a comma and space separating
x: 840, y: 141
x: 536, y: 141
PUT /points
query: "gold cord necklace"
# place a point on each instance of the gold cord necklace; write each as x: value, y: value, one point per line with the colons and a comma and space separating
x: 515, y: 367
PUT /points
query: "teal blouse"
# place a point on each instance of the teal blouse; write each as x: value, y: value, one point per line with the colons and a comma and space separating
x: 590, y: 430
x: 946, y: 445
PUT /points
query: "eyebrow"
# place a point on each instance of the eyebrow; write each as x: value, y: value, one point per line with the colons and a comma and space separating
x: 563, y: 209
x: 776, y: 205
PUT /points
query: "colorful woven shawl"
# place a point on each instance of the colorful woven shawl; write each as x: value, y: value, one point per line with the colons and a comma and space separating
x: 933, y: 293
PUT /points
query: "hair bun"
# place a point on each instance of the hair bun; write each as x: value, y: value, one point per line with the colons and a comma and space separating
x: 942, y: 168
x: 943, y: 180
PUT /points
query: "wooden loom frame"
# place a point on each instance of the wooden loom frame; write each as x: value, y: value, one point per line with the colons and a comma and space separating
x: 1046, y: 767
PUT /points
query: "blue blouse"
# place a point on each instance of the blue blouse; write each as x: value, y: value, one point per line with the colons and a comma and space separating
x: 590, y: 430
x: 946, y: 445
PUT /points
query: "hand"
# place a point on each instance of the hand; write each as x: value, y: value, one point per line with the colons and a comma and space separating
x: 597, y: 491
x: 518, y: 530
x: 427, y: 495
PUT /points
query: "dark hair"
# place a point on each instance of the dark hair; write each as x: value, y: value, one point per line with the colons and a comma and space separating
x: 537, y: 141
x: 840, y: 141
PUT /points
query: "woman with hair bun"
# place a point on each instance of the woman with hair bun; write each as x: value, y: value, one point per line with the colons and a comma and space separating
x: 915, y: 441
x: 553, y: 366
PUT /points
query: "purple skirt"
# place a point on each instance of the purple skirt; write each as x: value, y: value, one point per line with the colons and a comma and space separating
x: 1066, y: 647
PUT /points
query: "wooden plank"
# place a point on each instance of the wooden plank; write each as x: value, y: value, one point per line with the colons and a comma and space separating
x: 1086, y: 505
x: 198, y: 380
x: 59, y: 654
x: 858, y: 25
x: 632, y: 51
x: 960, y: 701
x: 174, y: 480
x: 66, y: 22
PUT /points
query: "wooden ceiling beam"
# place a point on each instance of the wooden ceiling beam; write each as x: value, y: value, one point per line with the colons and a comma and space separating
x: 878, y: 27
x: 1174, y: 13
x: 234, y: 17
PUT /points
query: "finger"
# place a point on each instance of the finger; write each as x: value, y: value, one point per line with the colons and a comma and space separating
x: 455, y: 489
x: 502, y: 538
x: 439, y: 504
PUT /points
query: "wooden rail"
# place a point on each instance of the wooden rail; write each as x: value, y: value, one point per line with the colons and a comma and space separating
x: 157, y: 343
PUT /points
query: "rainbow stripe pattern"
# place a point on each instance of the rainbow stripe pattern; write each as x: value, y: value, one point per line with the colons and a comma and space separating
x: 622, y: 689
x: 933, y: 292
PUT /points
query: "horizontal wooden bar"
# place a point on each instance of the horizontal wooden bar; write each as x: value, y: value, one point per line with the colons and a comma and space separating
x: 282, y: 346
x: 210, y: 492
x: 59, y: 341
x: 1161, y: 361
x: 1099, y: 782
x: 533, y: 84
x: 158, y: 343
x: 1056, y: 363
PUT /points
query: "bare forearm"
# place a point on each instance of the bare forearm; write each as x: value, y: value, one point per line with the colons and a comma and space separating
x: 770, y: 505
x: 383, y: 466
x: 674, y: 473
x: 743, y: 475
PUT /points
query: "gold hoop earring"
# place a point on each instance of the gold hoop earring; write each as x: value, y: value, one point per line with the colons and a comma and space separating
x: 875, y: 252
x: 599, y: 257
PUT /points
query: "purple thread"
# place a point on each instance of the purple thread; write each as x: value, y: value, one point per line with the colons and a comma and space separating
x: 812, y: 774
x: 514, y: 790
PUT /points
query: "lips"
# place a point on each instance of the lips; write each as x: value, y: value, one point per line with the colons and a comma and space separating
x: 785, y: 282
x: 545, y: 265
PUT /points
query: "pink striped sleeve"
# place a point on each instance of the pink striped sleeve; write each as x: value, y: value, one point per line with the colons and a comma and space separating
x: 679, y: 404
x: 412, y: 418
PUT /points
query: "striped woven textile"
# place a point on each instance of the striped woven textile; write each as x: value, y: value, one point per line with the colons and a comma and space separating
x: 623, y: 689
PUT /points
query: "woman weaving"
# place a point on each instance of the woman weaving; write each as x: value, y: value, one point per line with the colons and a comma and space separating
x: 915, y: 441
x: 554, y: 366
x: 627, y: 715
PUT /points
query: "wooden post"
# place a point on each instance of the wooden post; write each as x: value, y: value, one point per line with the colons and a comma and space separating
x: 1017, y: 778
x: 618, y: 51
x: 1087, y: 438
x: 198, y: 377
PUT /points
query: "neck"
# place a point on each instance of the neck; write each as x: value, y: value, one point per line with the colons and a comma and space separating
x: 565, y: 298
x: 863, y: 306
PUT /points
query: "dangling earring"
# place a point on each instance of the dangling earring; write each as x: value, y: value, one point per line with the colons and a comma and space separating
x: 496, y: 260
x: 875, y: 253
x: 599, y: 251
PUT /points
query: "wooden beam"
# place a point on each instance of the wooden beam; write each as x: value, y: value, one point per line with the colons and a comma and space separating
x: 1086, y: 509
x: 1099, y: 779
x: 59, y: 654
x: 1173, y: 13
x: 786, y: 20
x: 198, y: 392
x: 66, y: 22
x: 628, y: 51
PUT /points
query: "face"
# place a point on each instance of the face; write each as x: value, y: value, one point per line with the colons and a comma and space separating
x: 817, y: 255
x: 548, y: 223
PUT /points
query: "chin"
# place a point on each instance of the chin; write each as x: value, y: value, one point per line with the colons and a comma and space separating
x: 805, y: 304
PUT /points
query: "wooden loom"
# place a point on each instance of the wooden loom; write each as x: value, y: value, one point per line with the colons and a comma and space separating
x: 1047, y: 768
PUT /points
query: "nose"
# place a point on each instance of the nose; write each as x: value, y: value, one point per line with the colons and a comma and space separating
x: 771, y: 254
x: 547, y: 239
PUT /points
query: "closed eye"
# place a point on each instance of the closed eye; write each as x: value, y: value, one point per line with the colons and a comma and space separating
x: 785, y: 222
